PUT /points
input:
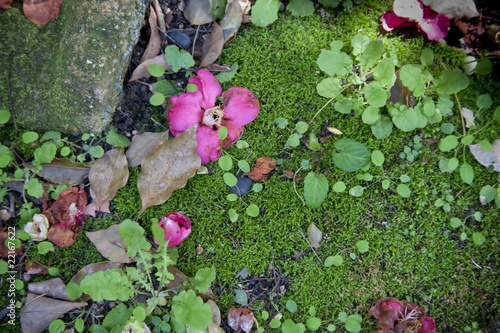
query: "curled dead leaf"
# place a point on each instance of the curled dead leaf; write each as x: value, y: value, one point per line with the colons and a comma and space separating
x: 263, y: 168
x: 216, y: 317
x: 41, y: 11
x: 63, y: 171
x: 54, y: 288
x: 232, y: 20
x: 110, y: 244
x: 154, y: 43
x: 33, y: 267
x: 142, y: 70
x: 212, y: 47
x: 142, y: 145
x: 198, y: 12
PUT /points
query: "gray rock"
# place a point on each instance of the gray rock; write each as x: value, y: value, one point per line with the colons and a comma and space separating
x: 67, y: 75
x: 180, y: 39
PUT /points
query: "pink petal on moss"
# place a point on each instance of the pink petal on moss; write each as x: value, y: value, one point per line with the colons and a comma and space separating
x: 208, y: 86
x: 434, y: 25
x: 208, y: 141
x: 234, y: 133
x: 240, y: 106
x: 428, y: 326
x: 177, y: 228
x: 390, y: 21
x: 184, y: 111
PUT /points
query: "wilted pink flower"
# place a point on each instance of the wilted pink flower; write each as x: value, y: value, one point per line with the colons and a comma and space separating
x: 177, y: 228
x: 239, y: 107
x: 409, y: 13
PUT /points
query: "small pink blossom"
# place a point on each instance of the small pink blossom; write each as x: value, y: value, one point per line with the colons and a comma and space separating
x: 177, y: 228
x: 238, y: 108
x: 408, y: 13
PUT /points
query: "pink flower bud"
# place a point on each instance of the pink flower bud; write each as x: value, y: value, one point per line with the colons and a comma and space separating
x: 177, y: 228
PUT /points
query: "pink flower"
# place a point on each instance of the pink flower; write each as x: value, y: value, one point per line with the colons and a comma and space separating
x: 409, y: 13
x: 428, y: 326
x: 239, y: 107
x: 177, y: 228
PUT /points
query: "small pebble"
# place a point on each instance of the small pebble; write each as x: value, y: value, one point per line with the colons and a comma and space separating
x: 180, y: 39
x: 244, y: 183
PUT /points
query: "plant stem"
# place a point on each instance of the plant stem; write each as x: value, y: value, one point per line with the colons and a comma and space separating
x: 461, y: 114
x: 329, y: 101
x: 312, y: 248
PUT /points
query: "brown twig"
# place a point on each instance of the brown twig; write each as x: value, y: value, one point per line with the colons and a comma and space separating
x: 312, y: 248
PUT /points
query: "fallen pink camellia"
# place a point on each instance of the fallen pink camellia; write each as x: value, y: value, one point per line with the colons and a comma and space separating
x: 239, y: 107
x: 394, y: 315
x: 177, y: 228
x: 411, y: 13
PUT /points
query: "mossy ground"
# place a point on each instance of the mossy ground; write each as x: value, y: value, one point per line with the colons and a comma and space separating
x: 414, y: 253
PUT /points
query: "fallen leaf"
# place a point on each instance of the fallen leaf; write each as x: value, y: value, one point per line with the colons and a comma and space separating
x: 168, y: 168
x: 453, y: 8
x: 143, y: 145
x: 232, y: 20
x: 110, y: 244
x: 288, y: 173
x: 108, y: 175
x: 263, y: 168
x: 63, y: 171
x: 198, y: 12
x: 4, y: 248
x: 314, y: 235
x: 61, y: 237
x: 54, y: 288
x: 212, y: 47
x: 469, y: 117
x: 160, y: 17
x: 487, y: 158
x: 240, y: 319
x: 94, y: 268
x: 142, y: 70
x: 400, y: 93
x: 41, y: 11
x: 39, y: 311
x: 218, y: 68
x: 154, y: 43
x: 216, y: 318
x: 180, y: 278
x: 93, y: 207
x: 334, y: 130
x: 33, y: 267
x: 243, y: 274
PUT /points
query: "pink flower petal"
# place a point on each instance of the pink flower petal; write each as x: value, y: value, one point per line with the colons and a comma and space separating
x: 390, y: 21
x: 184, y: 111
x: 240, y: 106
x: 234, y: 133
x: 396, y: 306
x: 208, y: 86
x: 434, y: 25
x: 177, y: 228
x: 208, y: 141
x: 428, y: 326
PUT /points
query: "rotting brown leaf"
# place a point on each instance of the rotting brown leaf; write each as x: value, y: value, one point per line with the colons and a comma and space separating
x: 487, y: 158
x: 110, y: 244
x: 93, y: 207
x: 168, y: 168
x: 54, y: 288
x: 39, y: 311
x: 216, y: 317
x: 63, y: 171
x: 154, y: 43
x: 41, y: 11
x: 314, y: 235
x: 212, y: 47
x: 143, y: 145
x: 263, y: 168
x: 240, y: 319
x: 198, y: 12
x: 142, y: 70
x: 231, y: 21
x: 33, y: 267
x: 108, y: 175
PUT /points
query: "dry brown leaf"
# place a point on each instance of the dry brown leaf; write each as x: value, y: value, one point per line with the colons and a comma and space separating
x: 159, y: 14
x: 314, y: 235
x: 33, y: 267
x: 212, y: 47
x: 154, y: 43
x: 198, y: 12
x: 216, y: 318
x: 93, y: 207
x: 41, y: 11
x: 240, y: 319
x: 94, y: 268
x: 263, y: 168
x: 400, y: 93
x: 63, y: 171
x: 180, y: 278
x: 39, y: 311
x: 142, y: 145
x: 487, y: 158
x: 108, y: 175
x: 288, y: 173
x: 54, y: 288
x: 110, y: 244
x: 142, y: 70
x: 231, y: 21
x: 168, y: 168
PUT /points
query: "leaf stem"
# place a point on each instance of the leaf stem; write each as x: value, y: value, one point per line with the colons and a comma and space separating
x: 329, y: 101
x: 461, y: 114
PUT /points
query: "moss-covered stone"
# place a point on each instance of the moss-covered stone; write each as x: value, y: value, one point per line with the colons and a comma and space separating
x: 67, y: 75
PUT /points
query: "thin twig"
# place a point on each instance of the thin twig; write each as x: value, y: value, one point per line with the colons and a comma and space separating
x: 326, y: 104
x: 476, y: 264
x: 194, y: 40
x: 166, y: 129
x: 312, y: 248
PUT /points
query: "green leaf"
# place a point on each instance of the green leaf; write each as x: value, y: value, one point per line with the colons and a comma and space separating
x: 487, y: 194
x: 178, y: 58
x: 451, y: 82
x: 257, y: 187
x: 111, y: 284
x: 44, y: 247
x: 478, y: 238
x: 265, y: 12
x: 484, y: 101
x: 377, y: 157
x: 301, y: 127
x: 289, y: 327
x: 447, y: 128
x: 46, y: 153
x: 165, y: 87
x: 404, y: 178
x: 313, y: 323
x: 133, y: 235
x: 4, y: 267
x: 233, y: 216
x: 139, y: 313
x: 225, y: 162
x: 375, y: 95
x: 117, y: 317
x: 157, y: 99
x: 370, y: 115
x: 342, y: 316
x: 222, y: 133
x: 291, y: 306
x: 227, y: 76
x: 34, y: 188
x: 29, y: 137
x: 4, y: 116
x: 96, y: 151
x: 312, y: 310
x: 65, y: 151
x: 300, y: 7
x: 382, y: 128
x: 57, y: 326
x: 411, y: 76
x: 192, y: 87
x: 79, y: 325
x: 352, y: 326
x: 372, y: 53
x: 362, y: 246
x: 329, y: 87
x: 313, y: 142
x: 244, y: 166
x: 116, y: 140
x: 467, y: 140
x: 357, y: 191
x: 355, y: 317
x: 294, y: 140
x: 455, y: 222
x: 73, y: 290
x: 484, y: 66
x: 253, y: 210
x: 156, y: 70
x: 331, y: 328
x: 406, y: 119
x: 453, y: 163
x: 485, y: 145
x: 427, y: 57
x: 445, y: 105
x: 467, y: 173
x: 352, y: 155
x: 230, y: 179
x: 203, y: 279
x: 190, y: 310
x: 232, y: 197
x: 275, y: 323
x: 403, y: 190
x: 5, y: 156
x: 384, y: 73
x: 334, y: 260
x: 448, y: 143
x: 240, y: 144
x: 359, y: 43
x: 315, y: 189
x: 281, y: 122
x: 334, y: 62
x: 339, y: 187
